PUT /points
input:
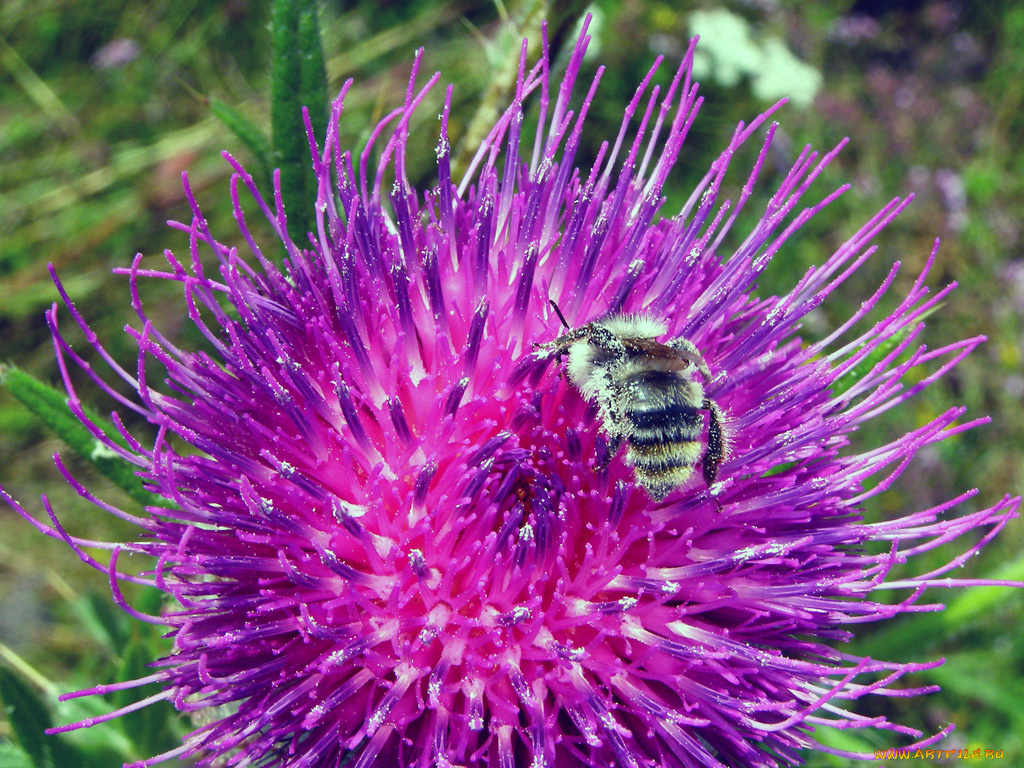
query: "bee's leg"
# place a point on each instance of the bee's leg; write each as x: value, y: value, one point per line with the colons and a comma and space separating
x: 717, y: 442
x: 718, y: 446
x: 692, y: 354
x: 610, y: 449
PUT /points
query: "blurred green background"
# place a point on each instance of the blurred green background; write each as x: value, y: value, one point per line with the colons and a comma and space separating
x: 104, y: 103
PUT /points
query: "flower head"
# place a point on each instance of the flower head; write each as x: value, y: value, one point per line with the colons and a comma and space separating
x: 398, y: 529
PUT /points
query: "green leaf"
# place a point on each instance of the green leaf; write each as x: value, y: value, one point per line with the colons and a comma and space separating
x: 970, y: 604
x: 99, y: 746
x: 13, y: 756
x: 861, y: 369
x: 251, y: 136
x: 985, y: 677
x: 108, y: 625
x: 298, y: 80
x: 885, y: 347
x: 846, y: 740
x: 150, y: 729
x: 49, y: 404
x: 151, y: 601
x: 28, y: 716
x: 962, y: 609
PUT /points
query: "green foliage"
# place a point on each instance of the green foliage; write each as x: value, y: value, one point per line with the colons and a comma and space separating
x: 730, y: 52
x: 50, y: 405
x: 28, y: 717
x: 13, y: 756
x: 127, y: 649
x: 104, y: 621
x: 312, y: 73
x: 884, y: 348
x: 151, y: 729
x: 249, y: 135
x: 299, y: 81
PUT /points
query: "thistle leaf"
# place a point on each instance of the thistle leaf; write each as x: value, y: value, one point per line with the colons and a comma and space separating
x: 150, y: 729
x: 104, y: 623
x: 13, y: 756
x: 49, y: 404
x: 251, y: 136
x: 887, y: 345
x: 28, y: 716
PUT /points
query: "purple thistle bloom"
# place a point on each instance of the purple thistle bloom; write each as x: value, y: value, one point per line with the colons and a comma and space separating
x: 390, y: 529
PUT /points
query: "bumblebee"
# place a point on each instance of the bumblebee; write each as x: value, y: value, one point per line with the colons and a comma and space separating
x: 647, y: 395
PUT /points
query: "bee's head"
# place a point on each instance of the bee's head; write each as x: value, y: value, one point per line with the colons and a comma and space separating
x: 561, y: 345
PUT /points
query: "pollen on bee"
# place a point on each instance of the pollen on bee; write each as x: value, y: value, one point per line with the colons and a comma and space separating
x: 635, y: 326
x: 648, y: 396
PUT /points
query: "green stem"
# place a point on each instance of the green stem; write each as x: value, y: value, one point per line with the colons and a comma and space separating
x: 299, y: 79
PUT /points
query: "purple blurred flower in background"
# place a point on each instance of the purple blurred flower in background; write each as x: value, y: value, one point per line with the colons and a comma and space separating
x: 391, y: 531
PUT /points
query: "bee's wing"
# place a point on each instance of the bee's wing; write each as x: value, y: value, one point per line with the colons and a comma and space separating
x: 659, y: 351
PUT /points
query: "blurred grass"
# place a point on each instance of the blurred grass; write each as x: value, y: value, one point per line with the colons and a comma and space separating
x: 103, y: 105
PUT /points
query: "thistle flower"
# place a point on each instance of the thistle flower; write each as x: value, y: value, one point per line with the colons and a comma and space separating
x: 390, y: 531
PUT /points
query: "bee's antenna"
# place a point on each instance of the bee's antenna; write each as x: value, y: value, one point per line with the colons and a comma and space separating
x: 559, y: 313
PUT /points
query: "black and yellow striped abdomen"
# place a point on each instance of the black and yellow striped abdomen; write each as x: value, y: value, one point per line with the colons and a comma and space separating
x: 647, y: 396
x: 660, y: 416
